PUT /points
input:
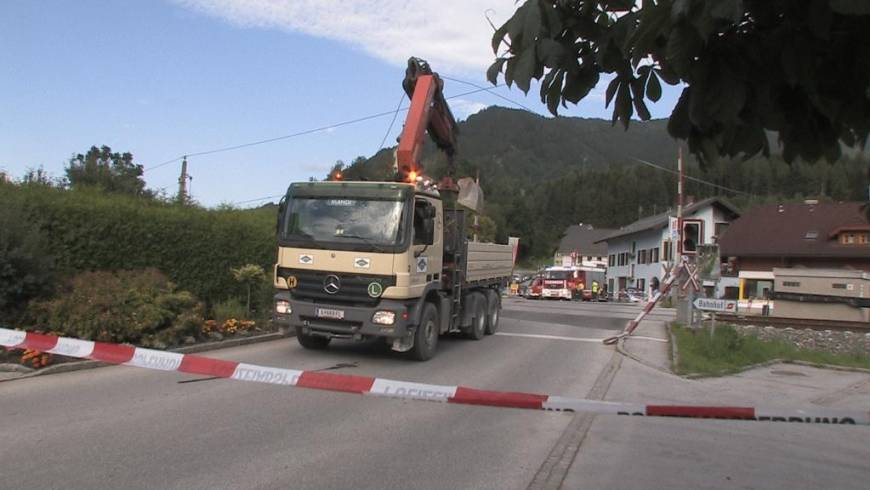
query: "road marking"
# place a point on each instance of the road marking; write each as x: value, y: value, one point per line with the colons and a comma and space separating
x: 549, y: 337
x: 572, y: 339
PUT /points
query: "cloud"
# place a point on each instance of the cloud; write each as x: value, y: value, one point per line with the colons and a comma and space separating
x: 453, y: 35
x: 462, y: 108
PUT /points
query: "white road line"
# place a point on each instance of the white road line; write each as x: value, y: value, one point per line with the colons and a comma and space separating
x: 572, y: 339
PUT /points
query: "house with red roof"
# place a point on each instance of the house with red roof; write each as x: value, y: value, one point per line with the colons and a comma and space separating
x: 832, y: 236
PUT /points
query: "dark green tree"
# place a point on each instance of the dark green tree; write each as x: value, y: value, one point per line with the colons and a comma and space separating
x: 797, y: 67
x: 107, y: 170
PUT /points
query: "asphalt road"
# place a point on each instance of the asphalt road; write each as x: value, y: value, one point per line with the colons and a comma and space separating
x: 122, y: 427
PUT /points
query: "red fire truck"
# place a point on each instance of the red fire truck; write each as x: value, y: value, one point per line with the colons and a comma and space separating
x: 562, y: 282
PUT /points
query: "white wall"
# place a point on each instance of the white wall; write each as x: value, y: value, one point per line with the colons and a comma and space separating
x: 652, y: 239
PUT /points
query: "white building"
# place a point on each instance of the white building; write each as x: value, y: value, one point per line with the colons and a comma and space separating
x: 640, y: 254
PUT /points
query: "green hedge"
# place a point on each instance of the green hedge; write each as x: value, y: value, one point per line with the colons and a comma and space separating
x: 87, y: 230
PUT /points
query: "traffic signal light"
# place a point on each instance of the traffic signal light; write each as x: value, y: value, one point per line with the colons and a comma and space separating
x: 692, y: 236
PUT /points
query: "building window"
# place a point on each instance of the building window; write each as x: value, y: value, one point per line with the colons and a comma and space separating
x: 666, y: 250
x: 641, y: 283
x: 791, y: 284
x: 655, y: 255
x: 848, y: 238
x: 811, y: 235
x: 838, y: 285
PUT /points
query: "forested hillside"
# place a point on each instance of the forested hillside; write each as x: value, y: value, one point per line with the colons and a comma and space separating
x: 541, y: 174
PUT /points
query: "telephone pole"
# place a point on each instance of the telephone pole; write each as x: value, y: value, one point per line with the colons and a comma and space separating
x: 182, y: 182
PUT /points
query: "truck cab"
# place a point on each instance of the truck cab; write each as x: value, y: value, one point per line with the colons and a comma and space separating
x: 358, y: 260
x: 346, y: 248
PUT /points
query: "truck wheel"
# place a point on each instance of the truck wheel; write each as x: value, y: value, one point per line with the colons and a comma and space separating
x: 426, y: 336
x: 493, y: 305
x: 311, y: 342
x: 478, y: 320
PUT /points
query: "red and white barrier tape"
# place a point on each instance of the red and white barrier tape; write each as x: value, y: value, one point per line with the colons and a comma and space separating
x: 192, y: 364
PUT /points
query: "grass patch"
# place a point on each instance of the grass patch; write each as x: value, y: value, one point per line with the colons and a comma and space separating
x: 728, y: 352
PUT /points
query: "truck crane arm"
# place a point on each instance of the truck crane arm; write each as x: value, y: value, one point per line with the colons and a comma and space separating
x: 429, y: 110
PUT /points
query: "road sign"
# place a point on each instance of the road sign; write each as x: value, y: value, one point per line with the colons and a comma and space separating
x: 674, y: 227
x: 717, y: 305
x: 692, y: 279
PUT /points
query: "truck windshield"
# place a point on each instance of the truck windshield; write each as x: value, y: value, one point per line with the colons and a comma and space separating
x: 358, y: 224
x: 558, y: 275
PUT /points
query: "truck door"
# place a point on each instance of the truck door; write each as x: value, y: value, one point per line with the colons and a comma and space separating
x: 427, y: 242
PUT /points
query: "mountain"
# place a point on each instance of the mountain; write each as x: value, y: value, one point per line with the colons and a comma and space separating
x: 540, y: 175
x: 533, y: 148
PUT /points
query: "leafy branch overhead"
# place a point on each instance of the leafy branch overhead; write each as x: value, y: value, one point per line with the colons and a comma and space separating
x: 797, y: 67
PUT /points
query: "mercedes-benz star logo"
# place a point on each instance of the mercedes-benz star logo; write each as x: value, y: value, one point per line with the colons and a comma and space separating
x: 331, y: 284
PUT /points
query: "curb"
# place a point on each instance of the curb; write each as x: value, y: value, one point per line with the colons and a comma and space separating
x: 69, y: 367
x: 15, y: 368
x: 620, y: 347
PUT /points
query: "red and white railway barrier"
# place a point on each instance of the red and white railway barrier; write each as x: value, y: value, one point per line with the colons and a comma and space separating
x: 206, y: 366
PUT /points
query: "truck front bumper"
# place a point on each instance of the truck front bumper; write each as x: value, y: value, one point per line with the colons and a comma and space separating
x: 355, y: 321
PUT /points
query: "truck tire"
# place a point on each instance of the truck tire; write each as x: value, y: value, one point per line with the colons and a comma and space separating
x: 478, y: 317
x: 493, y: 305
x: 426, y: 336
x: 311, y: 342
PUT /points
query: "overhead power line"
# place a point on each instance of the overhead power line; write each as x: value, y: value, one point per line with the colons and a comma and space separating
x: 392, y: 121
x: 694, y: 179
x: 257, y: 199
x: 301, y: 133
x: 491, y: 91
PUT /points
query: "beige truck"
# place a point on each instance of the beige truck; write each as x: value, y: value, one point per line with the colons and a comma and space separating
x: 358, y: 260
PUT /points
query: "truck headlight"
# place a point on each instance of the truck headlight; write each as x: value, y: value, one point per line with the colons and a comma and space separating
x: 283, y: 307
x: 384, y: 317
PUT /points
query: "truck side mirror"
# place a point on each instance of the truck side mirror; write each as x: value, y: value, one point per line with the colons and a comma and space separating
x: 282, y: 206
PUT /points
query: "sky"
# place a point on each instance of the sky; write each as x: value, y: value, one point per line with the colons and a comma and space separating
x: 165, y: 78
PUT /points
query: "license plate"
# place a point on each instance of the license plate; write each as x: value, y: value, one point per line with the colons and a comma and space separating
x: 330, y: 313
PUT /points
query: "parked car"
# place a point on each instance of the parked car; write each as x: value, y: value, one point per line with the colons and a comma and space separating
x: 630, y: 295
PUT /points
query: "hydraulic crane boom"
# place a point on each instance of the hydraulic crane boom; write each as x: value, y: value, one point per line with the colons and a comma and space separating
x: 429, y: 110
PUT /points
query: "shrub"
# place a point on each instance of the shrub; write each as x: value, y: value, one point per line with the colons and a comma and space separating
x: 250, y: 275
x: 26, y: 265
x: 229, y: 309
x: 140, y: 307
x: 88, y: 230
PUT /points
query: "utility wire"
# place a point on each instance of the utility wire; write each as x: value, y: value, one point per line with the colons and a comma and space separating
x: 395, y: 115
x: 695, y: 179
x: 257, y: 199
x: 302, y: 133
x: 489, y: 90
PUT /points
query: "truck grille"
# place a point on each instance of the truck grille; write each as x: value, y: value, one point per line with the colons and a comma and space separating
x: 353, y: 289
